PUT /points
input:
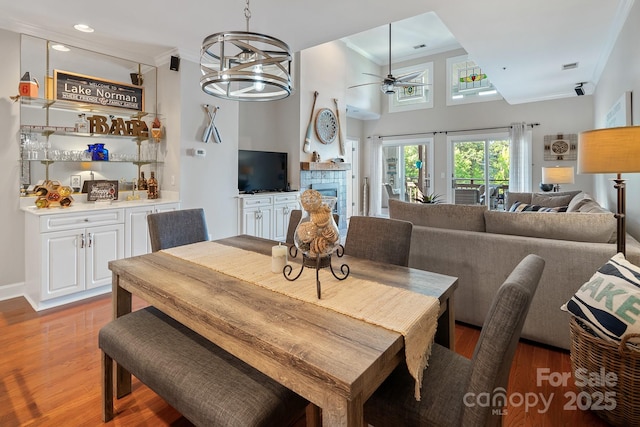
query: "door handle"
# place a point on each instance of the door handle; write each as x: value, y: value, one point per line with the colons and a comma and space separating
x: 82, y: 241
x: 90, y: 239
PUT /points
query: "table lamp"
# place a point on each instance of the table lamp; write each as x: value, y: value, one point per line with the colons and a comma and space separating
x: 612, y: 150
x: 557, y: 175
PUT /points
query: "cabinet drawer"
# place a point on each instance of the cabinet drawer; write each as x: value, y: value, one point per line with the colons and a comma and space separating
x: 84, y: 219
x: 252, y: 202
x: 285, y: 198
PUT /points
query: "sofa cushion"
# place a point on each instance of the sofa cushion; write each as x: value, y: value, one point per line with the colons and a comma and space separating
x: 523, y: 207
x: 575, y: 226
x: 456, y: 217
x: 550, y: 201
x: 512, y: 197
x: 608, y: 302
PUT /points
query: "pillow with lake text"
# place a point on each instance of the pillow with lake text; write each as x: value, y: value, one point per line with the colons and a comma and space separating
x: 609, y: 303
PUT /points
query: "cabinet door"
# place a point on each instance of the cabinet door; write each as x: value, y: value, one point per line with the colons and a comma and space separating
x: 137, y: 231
x: 281, y: 214
x: 102, y: 244
x: 257, y: 222
x: 62, y: 263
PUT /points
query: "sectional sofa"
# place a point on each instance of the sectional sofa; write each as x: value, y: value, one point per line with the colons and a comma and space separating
x: 481, y: 247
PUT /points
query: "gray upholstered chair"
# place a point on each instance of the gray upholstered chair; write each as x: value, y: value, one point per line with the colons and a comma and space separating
x: 294, y: 220
x: 177, y: 228
x: 451, y: 382
x: 379, y: 239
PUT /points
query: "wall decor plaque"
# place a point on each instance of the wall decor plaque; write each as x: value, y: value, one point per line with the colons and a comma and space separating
x: 96, y: 91
x: 561, y: 147
x: 102, y: 190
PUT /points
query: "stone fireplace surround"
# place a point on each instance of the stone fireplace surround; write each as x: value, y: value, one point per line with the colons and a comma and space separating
x: 338, y: 178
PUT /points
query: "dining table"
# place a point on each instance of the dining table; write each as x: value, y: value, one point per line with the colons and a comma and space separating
x: 332, y: 359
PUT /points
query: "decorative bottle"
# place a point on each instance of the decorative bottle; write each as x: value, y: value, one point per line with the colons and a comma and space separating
x: 82, y: 125
x: 142, y: 182
x: 152, y: 187
x: 100, y: 153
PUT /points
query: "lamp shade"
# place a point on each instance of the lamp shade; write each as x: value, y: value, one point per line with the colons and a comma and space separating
x: 612, y: 150
x: 558, y: 175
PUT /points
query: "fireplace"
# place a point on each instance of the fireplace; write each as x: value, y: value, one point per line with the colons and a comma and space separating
x: 329, y: 189
x: 329, y: 183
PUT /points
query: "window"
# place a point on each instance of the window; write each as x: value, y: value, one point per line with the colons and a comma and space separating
x: 413, y: 97
x: 466, y: 82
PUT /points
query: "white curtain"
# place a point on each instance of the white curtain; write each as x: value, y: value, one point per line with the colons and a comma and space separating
x: 521, y: 155
x: 375, y: 183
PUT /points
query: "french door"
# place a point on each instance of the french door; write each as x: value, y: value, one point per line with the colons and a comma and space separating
x: 407, y: 168
x: 479, y: 170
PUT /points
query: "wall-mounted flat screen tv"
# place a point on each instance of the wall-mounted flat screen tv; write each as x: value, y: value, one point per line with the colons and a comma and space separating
x: 261, y: 171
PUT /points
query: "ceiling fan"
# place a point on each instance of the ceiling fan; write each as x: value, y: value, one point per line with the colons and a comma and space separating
x: 390, y: 82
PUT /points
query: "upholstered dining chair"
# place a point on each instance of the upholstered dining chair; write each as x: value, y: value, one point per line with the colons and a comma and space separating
x: 177, y: 228
x: 452, y: 383
x: 379, y: 239
x: 294, y: 220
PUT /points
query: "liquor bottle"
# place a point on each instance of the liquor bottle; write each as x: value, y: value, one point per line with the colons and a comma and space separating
x: 82, y: 125
x: 152, y: 187
x: 142, y: 182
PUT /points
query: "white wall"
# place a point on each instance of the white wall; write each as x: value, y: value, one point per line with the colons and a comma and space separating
x: 210, y: 182
x: 11, y: 218
x: 621, y: 74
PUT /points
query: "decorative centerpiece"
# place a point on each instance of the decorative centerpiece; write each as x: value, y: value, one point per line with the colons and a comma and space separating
x: 51, y: 194
x: 317, y: 237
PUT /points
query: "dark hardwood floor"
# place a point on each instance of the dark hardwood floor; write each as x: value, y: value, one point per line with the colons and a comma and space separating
x: 50, y: 373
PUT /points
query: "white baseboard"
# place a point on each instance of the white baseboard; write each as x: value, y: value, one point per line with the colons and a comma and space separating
x: 14, y: 290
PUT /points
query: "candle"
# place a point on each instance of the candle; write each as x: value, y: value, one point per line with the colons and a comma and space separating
x: 278, y: 258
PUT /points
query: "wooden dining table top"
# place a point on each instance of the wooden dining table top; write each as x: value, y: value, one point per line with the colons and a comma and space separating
x: 333, y: 360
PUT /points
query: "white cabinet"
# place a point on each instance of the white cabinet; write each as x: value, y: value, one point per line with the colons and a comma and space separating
x: 68, y: 254
x: 283, y: 204
x: 137, y: 241
x: 266, y: 215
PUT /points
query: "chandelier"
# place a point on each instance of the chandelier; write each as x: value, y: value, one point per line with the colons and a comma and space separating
x: 245, y: 66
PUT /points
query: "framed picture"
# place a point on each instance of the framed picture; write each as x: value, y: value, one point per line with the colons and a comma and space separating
x: 75, y: 182
x: 620, y: 112
x: 561, y: 146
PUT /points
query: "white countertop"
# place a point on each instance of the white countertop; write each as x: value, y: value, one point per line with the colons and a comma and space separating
x: 80, y: 203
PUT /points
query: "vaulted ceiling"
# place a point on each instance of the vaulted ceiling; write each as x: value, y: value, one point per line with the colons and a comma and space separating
x: 522, y: 46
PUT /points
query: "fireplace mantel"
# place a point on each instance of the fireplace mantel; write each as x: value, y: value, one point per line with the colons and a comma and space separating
x: 324, y: 166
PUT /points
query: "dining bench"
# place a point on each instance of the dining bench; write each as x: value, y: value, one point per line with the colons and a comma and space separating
x: 207, y: 385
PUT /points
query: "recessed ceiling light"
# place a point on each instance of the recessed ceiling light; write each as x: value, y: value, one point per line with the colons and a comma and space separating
x: 60, y: 47
x: 84, y: 28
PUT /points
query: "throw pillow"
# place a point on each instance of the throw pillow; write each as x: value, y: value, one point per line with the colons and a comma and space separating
x: 609, y: 303
x: 550, y: 200
x: 524, y: 207
x: 579, y: 201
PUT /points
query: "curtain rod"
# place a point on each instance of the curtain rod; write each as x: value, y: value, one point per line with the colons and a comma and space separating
x: 532, y: 125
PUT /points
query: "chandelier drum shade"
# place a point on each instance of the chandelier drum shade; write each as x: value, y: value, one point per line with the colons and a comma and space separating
x: 245, y: 66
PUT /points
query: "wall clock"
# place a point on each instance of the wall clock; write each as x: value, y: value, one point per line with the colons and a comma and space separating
x: 326, y: 126
x: 561, y: 147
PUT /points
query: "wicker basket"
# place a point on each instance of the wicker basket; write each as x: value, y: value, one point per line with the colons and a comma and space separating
x: 593, y: 354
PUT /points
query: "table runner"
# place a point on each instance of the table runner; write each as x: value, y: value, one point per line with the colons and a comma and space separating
x: 413, y: 315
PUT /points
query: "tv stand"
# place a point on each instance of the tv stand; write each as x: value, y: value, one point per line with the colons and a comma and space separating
x: 266, y: 214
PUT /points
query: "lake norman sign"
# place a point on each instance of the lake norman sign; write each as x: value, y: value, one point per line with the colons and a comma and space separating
x: 92, y: 90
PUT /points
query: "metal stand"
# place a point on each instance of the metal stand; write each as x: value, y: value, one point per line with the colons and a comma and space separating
x: 316, y: 263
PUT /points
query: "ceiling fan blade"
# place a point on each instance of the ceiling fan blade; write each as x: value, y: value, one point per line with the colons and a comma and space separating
x: 374, y: 75
x: 364, y: 84
x: 410, y: 84
x: 409, y: 76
